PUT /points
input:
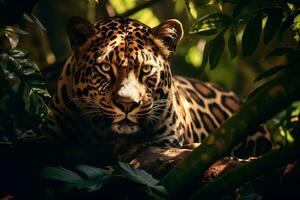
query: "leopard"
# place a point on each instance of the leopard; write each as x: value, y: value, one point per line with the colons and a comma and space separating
x: 117, y: 85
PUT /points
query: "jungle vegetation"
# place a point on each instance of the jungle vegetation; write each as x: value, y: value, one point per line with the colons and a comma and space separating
x: 248, y: 46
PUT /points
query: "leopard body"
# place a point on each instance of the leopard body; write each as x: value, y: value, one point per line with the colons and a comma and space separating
x: 118, y: 84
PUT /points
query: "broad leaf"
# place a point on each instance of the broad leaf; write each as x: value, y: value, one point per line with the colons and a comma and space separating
x: 20, y: 54
x: 97, y: 177
x: 272, y: 24
x: 72, y: 180
x: 251, y: 36
x: 60, y: 174
x: 39, y: 108
x: 216, y: 50
x: 93, y: 172
x: 34, y: 104
x: 138, y: 175
x: 210, y: 24
x: 141, y: 177
x: 205, y: 57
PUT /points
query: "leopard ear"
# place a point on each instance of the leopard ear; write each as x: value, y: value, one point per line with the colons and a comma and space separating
x: 170, y: 32
x: 79, y: 31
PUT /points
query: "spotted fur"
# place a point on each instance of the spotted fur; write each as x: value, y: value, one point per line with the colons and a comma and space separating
x: 118, y: 83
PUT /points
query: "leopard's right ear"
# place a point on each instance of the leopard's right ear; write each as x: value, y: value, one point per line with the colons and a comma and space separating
x: 79, y: 31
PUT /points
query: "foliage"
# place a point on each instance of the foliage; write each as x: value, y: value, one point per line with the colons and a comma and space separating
x: 286, y: 126
x: 92, y: 178
x: 22, y: 87
x: 257, y: 22
x: 249, y: 18
x: 233, y: 27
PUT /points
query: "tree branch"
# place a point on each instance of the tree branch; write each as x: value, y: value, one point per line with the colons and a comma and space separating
x: 264, y: 105
x: 234, y: 178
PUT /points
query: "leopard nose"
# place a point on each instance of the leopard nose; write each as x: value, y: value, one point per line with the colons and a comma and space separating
x: 125, y: 104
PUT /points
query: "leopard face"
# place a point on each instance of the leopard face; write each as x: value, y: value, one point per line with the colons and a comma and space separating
x: 120, y: 71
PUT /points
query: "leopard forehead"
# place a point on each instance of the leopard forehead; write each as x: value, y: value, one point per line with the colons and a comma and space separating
x: 121, y: 25
x: 123, y: 42
x: 115, y: 31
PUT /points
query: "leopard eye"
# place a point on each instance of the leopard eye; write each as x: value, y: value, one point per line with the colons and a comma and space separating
x: 147, y: 69
x: 105, y: 67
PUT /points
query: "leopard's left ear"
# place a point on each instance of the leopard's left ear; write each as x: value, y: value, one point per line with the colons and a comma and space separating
x: 79, y: 31
x: 170, y: 32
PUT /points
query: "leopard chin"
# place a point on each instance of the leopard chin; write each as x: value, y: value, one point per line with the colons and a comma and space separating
x: 125, y: 129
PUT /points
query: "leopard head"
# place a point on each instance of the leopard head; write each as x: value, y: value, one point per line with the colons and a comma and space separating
x: 120, y: 71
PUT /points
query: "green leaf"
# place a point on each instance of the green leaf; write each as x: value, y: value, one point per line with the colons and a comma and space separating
x: 232, y: 45
x: 60, y: 174
x: 272, y: 24
x: 73, y: 180
x: 210, y: 24
x: 20, y: 54
x: 270, y: 72
x: 97, y: 177
x: 34, y: 104
x: 29, y: 64
x: 251, y: 36
x: 141, y: 177
x: 138, y: 175
x: 205, y: 57
x: 216, y: 50
x: 91, y: 186
x: 29, y: 71
x: 93, y: 172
